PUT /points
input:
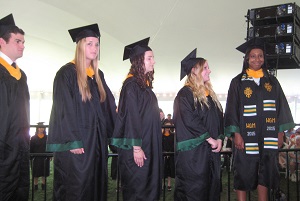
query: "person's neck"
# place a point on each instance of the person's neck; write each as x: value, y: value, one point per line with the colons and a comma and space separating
x: 7, y: 58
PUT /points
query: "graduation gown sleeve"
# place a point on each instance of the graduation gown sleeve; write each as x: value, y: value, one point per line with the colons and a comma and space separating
x: 128, y: 129
x: 109, y: 106
x: 63, y: 115
x: 232, y: 113
x: 189, y: 124
x: 285, y: 118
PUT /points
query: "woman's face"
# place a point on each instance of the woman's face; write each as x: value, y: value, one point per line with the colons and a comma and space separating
x: 91, y: 48
x: 41, y: 130
x: 205, y: 73
x: 149, y: 61
x: 256, y: 59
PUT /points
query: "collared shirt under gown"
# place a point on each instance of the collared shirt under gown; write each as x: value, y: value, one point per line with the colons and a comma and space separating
x: 76, y: 124
x: 197, y: 167
x: 138, y: 124
x: 14, y: 137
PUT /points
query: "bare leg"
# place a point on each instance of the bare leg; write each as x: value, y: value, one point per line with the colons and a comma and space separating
x: 35, y: 180
x: 241, y: 195
x: 262, y: 193
x: 169, y: 181
x: 43, y: 180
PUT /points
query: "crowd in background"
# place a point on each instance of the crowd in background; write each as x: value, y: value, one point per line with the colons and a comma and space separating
x: 291, y: 141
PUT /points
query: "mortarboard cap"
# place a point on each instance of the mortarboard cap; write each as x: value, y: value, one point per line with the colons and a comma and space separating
x: 251, y: 44
x: 5, y: 23
x: 136, y: 48
x: 86, y: 31
x: 188, y: 63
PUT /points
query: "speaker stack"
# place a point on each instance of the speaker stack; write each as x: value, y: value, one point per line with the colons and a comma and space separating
x: 279, y: 26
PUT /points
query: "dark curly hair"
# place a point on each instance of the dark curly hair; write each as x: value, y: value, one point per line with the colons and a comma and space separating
x: 138, y: 70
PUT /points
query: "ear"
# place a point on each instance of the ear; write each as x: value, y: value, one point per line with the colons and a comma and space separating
x: 2, y: 41
x: 193, y: 70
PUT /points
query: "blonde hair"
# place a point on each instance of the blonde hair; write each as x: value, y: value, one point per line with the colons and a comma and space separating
x: 199, y: 87
x: 80, y: 62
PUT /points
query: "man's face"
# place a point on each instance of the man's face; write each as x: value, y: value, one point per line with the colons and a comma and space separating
x: 14, y: 47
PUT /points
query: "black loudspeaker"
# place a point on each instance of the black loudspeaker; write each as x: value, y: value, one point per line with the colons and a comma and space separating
x: 279, y: 26
x: 283, y: 55
x: 283, y: 30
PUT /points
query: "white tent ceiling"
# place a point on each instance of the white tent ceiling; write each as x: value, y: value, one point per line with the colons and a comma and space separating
x: 176, y: 27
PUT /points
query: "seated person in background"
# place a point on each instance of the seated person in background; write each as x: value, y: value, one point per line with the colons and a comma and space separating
x: 293, y: 161
x: 282, y: 155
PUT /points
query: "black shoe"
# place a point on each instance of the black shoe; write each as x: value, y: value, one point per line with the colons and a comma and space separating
x: 169, y: 188
x: 36, y: 187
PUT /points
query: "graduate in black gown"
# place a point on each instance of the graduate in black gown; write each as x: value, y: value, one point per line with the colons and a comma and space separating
x: 168, y: 138
x: 14, y: 115
x: 256, y: 115
x: 198, y: 120
x: 82, y: 118
x: 40, y: 165
x: 137, y: 131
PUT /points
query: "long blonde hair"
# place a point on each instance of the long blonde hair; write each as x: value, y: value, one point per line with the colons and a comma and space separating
x: 80, y: 64
x: 199, y: 87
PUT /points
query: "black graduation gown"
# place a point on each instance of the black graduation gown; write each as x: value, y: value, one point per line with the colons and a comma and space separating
x: 14, y: 137
x: 258, y: 113
x: 138, y: 124
x: 41, y: 165
x: 197, y: 167
x: 76, y: 124
x: 169, y: 163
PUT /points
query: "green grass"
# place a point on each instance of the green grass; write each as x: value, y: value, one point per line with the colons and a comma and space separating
x: 112, y: 195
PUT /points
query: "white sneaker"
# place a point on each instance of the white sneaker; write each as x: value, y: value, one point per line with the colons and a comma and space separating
x: 293, y: 177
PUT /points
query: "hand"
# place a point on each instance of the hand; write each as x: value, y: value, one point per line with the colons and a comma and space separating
x: 213, y: 143
x: 77, y: 151
x: 139, y: 156
x: 238, y: 141
x: 219, y: 147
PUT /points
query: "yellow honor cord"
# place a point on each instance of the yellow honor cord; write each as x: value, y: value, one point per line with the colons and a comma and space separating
x: 14, y: 72
x: 40, y: 135
x: 255, y: 74
x: 206, y: 92
x: 90, y: 72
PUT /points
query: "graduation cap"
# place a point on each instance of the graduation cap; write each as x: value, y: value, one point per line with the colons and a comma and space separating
x: 5, y: 23
x: 136, y: 49
x: 40, y: 125
x: 86, y: 31
x: 251, y: 44
x: 188, y: 63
